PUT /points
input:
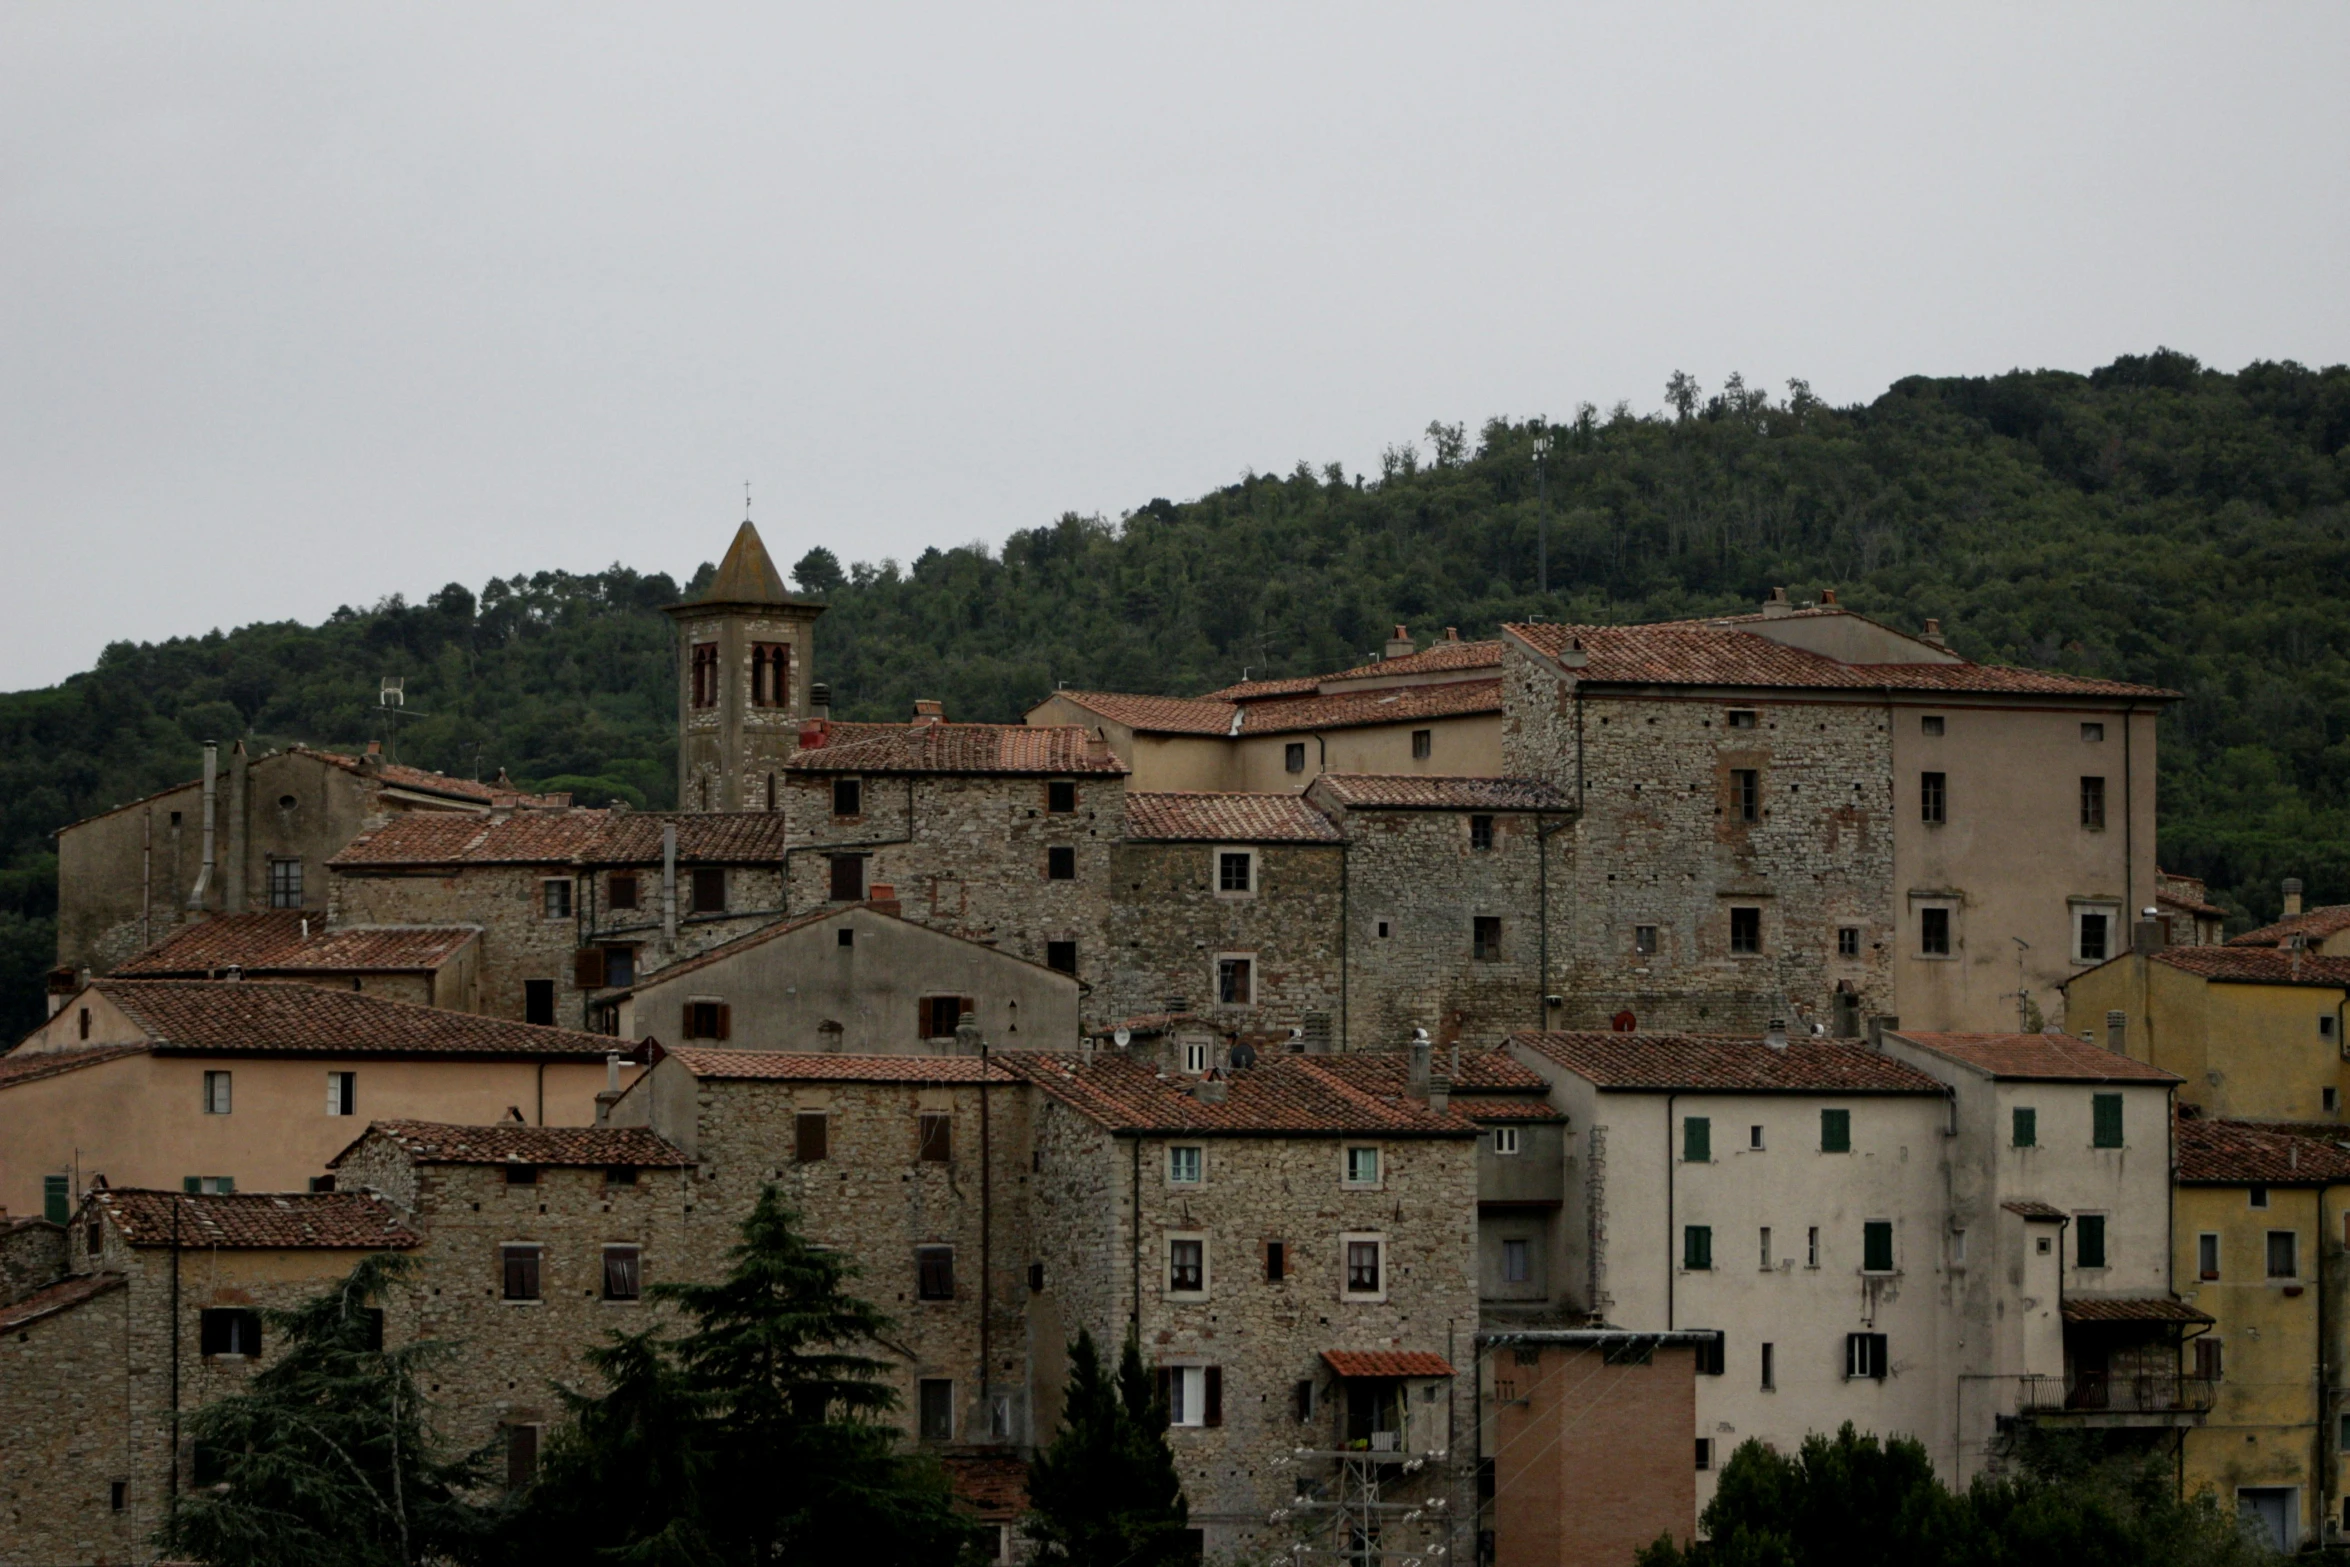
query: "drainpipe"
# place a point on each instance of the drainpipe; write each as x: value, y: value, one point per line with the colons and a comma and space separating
x: 147, y: 878
x: 1346, y: 932
x: 2129, y: 818
x: 203, y: 888
x: 669, y: 885
x: 1671, y: 1267
x: 1134, y: 1238
x: 986, y: 1237
x: 2327, y: 1473
x: 175, y: 1308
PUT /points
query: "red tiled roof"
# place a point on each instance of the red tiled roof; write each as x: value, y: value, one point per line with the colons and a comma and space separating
x: 1387, y: 1363
x: 2314, y: 926
x: 2045, y: 1058
x: 1719, y: 653
x: 568, y: 837
x: 2245, y: 1153
x: 2092, y: 1308
x: 256, y: 1221
x: 2036, y: 1212
x: 1414, y: 792
x: 1200, y: 816
x: 1436, y: 658
x: 435, y: 1142
x: 1258, y: 690
x: 28, y: 1066
x: 788, y: 1066
x: 1526, y: 1109
x: 274, y: 1017
x: 1711, y: 1063
x: 963, y: 748
x: 63, y: 1295
x: 2258, y: 965
x: 1305, y: 1096
x: 401, y: 776
x: 1353, y: 709
x: 274, y: 942
x: 1166, y: 715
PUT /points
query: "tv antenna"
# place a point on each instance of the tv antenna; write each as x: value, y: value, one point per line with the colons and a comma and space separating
x: 2023, y: 997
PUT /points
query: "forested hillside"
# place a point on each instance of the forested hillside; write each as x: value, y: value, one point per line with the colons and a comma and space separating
x: 2152, y: 521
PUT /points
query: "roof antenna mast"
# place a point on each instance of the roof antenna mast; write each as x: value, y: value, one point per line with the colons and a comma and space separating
x: 746, y: 500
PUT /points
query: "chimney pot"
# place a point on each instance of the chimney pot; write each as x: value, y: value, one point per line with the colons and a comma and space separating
x: 927, y: 711
x: 1776, y: 605
x: 1452, y: 633
x: 820, y: 700
x: 882, y: 898
x: 1827, y: 596
x: 1776, y: 1035
x: 1933, y: 633
x: 2292, y: 896
x: 1400, y: 644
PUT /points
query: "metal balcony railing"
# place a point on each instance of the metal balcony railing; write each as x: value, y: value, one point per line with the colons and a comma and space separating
x: 2120, y: 1393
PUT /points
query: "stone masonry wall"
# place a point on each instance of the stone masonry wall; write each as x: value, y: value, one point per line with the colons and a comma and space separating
x: 65, y: 1387
x: 32, y: 1256
x: 1169, y: 924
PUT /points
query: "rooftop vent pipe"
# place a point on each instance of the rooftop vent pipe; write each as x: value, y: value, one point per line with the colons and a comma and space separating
x: 1776, y: 1035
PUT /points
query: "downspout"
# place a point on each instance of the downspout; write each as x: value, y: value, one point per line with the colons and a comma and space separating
x: 542, y: 1120
x: 1671, y: 1267
x: 1345, y: 942
x: 986, y: 1233
x: 1134, y: 1239
x: 203, y: 888
x: 147, y: 878
x: 2129, y: 821
x: 2328, y: 1476
x: 175, y: 1332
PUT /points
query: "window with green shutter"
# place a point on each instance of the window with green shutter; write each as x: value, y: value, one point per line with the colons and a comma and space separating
x: 2106, y: 1121
x: 56, y: 1198
x: 2027, y: 1127
x: 1876, y: 1246
x: 1697, y: 1139
x: 1835, y: 1131
x: 1697, y: 1247
x: 2089, y: 1240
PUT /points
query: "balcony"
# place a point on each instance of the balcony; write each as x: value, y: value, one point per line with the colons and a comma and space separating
x: 2099, y: 1398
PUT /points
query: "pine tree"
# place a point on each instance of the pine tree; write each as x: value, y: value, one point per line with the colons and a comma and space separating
x: 1105, y: 1493
x: 328, y: 1459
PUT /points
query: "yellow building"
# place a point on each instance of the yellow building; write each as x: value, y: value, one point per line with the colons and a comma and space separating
x: 2257, y: 1245
x: 2255, y: 1031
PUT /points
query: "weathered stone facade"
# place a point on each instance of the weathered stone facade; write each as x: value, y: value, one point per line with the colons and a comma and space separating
x: 1172, y: 928
x: 746, y: 656
x: 32, y: 1256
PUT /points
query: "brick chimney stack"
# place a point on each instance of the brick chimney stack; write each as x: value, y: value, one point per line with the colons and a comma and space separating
x: 1400, y: 644
x: 2292, y: 896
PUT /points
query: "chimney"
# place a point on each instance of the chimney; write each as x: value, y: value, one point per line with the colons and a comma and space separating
x: 2292, y: 883
x: 1422, y: 1050
x: 1776, y: 606
x: 203, y: 888
x: 1881, y: 1024
x: 820, y: 702
x: 1210, y: 1090
x: 371, y: 761
x: 611, y: 1094
x: 1827, y: 598
x: 1572, y: 655
x: 1097, y: 746
x: 1452, y: 633
x: 927, y: 711
x: 967, y: 1036
x: 1933, y: 634
x: 882, y: 898
x: 2147, y: 936
x: 1400, y: 644
x: 1776, y: 1035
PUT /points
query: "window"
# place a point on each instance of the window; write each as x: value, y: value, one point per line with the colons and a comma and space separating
x: 1423, y: 744
x: 216, y: 1093
x: 285, y: 884
x: 342, y: 1093
x: 519, y: 1271
x: 1480, y: 832
x: 520, y: 1174
x: 1362, y: 1167
x: 1232, y: 982
x: 1848, y: 941
x: 2329, y: 1100
x: 206, y: 1185
x: 620, y: 1175
x: 84, y: 1022
x: 620, y: 890
x: 1644, y: 941
x: 555, y: 899
x: 1195, y: 1056
x: 1930, y: 724
x: 2092, y: 934
x: 1835, y: 1131
x: 1754, y: 1138
x: 2089, y: 1240
x: 707, y: 1019
x: 1770, y: 1367
x: 2105, y: 1118
x: 1864, y: 1355
x: 118, y: 1495
x: 522, y: 1456
x: 2256, y: 1197
x: 1763, y: 1247
x: 1697, y: 1141
x: 937, y: 1134
x: 704, y: 661
x: 93, y: 1240
x: 1187, y: 1267
x: 2093, y: 804
x: 2284, y: 1254
x: 1811, y: 1247
x: 1742, y: 718
x: 2093, y: 732
x: 1276, y: 1262
x: 2024, y: 1127
x: 2325, y: 1025
x: 1934, y: 932
x: 811, y: 1137
x: 1184, y: 1165
x: 942, y: 1015
x: 1060, y: 863
x: 1705, y: 1452
x: 619, y: 967
x: 1362, y: 1267
x: 709, y: 889
x: 1293, y: 756
x: 770, y: 674
x: 1386, y: 928
x: 2210, y: 1364
x: 1234, y: 871
x: 1302, y: 1399
x: 934, y: 1272
x: 229, y: 1332
x: 1061, y: 955
x: 1517, y: 1261
x: 1505, y: 1139
x: 538, y: 1001
x: 1485, y: 937
x: 848, y: 797
x: 937, y: 1403
x: 1745, y: 932
x: 1933, y: 798
x: 623, y: 1273
x: 1876, y: 1246
x: 1745, y: 794
x: 848, y: 878
x: 2207, y: 1256
x: 1958, y: 1248
x: 1194, y: 1394
x: 1697, y: 1247
x: 1712, y: 1354
x: 1060, y: 796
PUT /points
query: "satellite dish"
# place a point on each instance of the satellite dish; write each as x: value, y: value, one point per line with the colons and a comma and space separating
x: 1123, y: 1037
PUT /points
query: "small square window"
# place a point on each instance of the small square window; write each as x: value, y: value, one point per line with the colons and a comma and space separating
x: 1480, y: 832
x: 848, y: 797
x: 707, y: 1020
x: 1060, y: 863
x: 846, y: 936
x: 620, y: 890
x: 1362, y: 1167
x: 1930, y: 724
x: 1423, y: 744
x: 1742, y: 718
x: 1184, y: 1165
x: 229, y: 1331
x: 620, y: 1175
x: 1745, y: 932
x: 520, y: 1174
x: 1293, y: 757
x: 1848, y: 941
x: 1061, y: 955
x: 2092, y: 732
x: 2256, y: 1197
x: 1060, y: 796
x: 1644, y: 941
x: 1864, y: 1355
x: 1235, y: 871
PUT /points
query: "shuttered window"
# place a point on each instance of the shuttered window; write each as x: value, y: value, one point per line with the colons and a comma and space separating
x: 2105, y: 1112
x: 1697, y: 1139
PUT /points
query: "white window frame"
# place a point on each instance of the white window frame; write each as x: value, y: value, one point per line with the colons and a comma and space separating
x: 1363, y: 1297
x: 342, y: 1093
x: 1187, y: 1396
x: 1198, y: 1161
x: 1167, y: 1261
x: 1505, y: 1141
x: 570, y: 896
x: 1346, y: 1168
x: 1195, y: 1055
x: 219, y: 1093
x: 1216, y: 872
x: 2115, y: 932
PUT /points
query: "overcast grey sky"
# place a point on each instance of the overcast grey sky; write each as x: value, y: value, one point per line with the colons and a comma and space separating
x: 301, y: 305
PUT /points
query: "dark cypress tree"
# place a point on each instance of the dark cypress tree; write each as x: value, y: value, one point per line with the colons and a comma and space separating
x: 1105, y: 1493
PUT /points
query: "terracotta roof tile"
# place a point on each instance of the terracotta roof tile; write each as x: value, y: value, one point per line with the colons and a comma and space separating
x: 29, y: 1066
x: 434, y: 1142
x: 2244, y: 1153
x: 63, y: 1295
x: 2313, y: 925
x: 1479, y: 1108
x: 275, y: 942
x: 1387, y: 1363
x: 401, y: 776
x: 1720, y: 653
x: 2037, y: 1212
x: 1710, y: 1063
x: 2258, y: 965
x: 2092, y: 1308
x: 1165, y: 715
x: 1258, y: 690
x: 1437, y: 658
x: 788, y: 1066
x: 2046, y: 1058
x: 1415, y: 792
x: 1307, y: 1096
x: 1197, y: 816
x: 577, y: 836
x: 1353, y: 709
x: 273, y: 1017
x: 256, y: 1221
x: 963, y: 748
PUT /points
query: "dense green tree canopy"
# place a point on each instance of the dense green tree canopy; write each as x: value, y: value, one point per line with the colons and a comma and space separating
x: 2153, y: 520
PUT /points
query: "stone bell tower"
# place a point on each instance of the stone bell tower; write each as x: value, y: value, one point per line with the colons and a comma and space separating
x: 746, y: 652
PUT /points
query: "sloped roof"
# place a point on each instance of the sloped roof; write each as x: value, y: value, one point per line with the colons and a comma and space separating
x: 766, y: 933
x: 1258, y: 690
x: 435, y: 1142
x: 2313, y: 925
x: 276, y: 1017
x: 1307, y: 1096
x: 1437, y: 658
x: 1171, y: 715
x: 1480, y: 1108
x: 1387, y: 1363
x: 577, y: 836
x: 256, y: 1221
x: 2035, y: 1211
x: 963, y: 748
x: 28, y: 1066
x: 276, y: 941
x: 400, y: 775
x: 810, y: 1067
x: 746, y: 575
x: 2258, y: 965
x: 2245, y: 1153
x: 1354, y: 709
x: 1177, y: 816
x: 2093, y: 1308
x: 2044, y: 1058
x: 1720, y: 1063
x: 63, y: 1295
x: 1720, y: 653
x: 1417, y: 792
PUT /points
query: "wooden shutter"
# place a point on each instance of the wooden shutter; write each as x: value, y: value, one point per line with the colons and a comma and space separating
x: 1212, y: 1403
x: 725, y: 1021
x: 587, y: 968
x: 1165, y: 1378
x: 810, y: 1134
x: 620, y: 891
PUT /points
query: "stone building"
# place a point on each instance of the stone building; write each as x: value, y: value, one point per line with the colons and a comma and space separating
x: 2324, y: 930
x: 746, y: 650
x: 251, y: 1085
x: 2189, y: 917
x: 430, y: 965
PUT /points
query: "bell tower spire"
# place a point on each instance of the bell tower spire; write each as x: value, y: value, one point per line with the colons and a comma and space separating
x: 746, y: 655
